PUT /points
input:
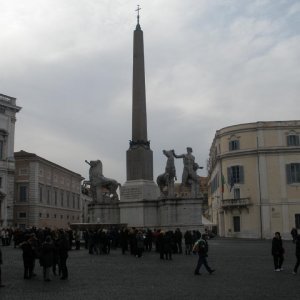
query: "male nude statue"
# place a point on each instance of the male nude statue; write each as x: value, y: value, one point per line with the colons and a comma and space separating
x: 189, y: 174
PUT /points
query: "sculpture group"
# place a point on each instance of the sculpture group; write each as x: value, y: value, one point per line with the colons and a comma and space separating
x: 102, y: 189
x: 190, y: 178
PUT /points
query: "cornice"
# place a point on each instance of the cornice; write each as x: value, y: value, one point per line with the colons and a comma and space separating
x: 277, y: 151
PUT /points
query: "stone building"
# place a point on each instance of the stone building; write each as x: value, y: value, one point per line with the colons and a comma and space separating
x: 8, y: 110
x: 254, y: 179
x: 46, y: 194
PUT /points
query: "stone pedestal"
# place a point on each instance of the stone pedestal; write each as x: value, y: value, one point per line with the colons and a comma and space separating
x: 104, y: 213
x: 181, y: 212
x: 138, y: 204
x: 139, y: 190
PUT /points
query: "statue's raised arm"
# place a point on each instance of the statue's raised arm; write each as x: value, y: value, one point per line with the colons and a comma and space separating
x: 178, y: 156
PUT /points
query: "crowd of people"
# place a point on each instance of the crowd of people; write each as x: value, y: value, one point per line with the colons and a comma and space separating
x: 49, y: 248
x: 137, y: 241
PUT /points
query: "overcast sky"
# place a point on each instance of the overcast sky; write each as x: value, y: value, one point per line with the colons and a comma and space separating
x: 209, y: 64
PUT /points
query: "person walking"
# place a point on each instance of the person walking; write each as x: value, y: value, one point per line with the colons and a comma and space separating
x: 297, y: 254
x: 201, y: 247
x: 277, y: 252
x: 1, y: 285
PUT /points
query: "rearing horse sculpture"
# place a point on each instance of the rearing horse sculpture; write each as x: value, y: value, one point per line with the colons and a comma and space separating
x: 98, y: 180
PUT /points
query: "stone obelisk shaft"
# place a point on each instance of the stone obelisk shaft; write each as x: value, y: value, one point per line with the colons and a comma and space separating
x: 139, y: 115
x: 139, y: 155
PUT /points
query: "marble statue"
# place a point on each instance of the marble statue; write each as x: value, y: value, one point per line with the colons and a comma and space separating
x: 167, y: 179
x: 189, y: 174
x: 98, y: 182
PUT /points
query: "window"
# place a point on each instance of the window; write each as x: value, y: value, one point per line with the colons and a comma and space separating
x: 22, y: 215
x: 236, y: 193
x: 293, y: 140
x: 41, y: 194
x: 297, y: 221
x: 1, y: 149
x: 78, y: 202
x: 234, y: 145
x: 0, y: 182
x: 293, y: 173
x: 40, y: 215
x: 214, y: 183
x: 48, y: 196
x: 73, y: 199
x: 62, y: 198
x: 55, y: 197
x: 68, y: 199
x: 236, y: 224
x: 23, y: 171
x: 235, y: 174
x: 23, y: 193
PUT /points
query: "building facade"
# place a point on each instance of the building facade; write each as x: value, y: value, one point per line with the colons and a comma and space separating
x: 254, y: 179
x: 46, y: 194
x: 8, y: 110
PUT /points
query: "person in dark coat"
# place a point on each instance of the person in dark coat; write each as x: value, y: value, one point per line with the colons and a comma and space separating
x: 160, y: 244
x: 1, y: 285
x: 178, y: 241
x: 188, y: 241
x: 47, y: 257
x: 56, y: 257
x: 297, y: 254
x: 148, y: 240
x: 28, y: 257
x: 63, y: 248
x: 139, y: 244
x: 168, y: 244
x: 124, y: 240
x: 277, y: 252
x: 294, y: 234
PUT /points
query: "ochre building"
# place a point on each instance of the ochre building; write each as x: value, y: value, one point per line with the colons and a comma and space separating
x: 254, y: 179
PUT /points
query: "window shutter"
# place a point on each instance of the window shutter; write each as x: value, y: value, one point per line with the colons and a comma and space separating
x: 288, y: 174
x: 229, y: 175
x: 241, y: 171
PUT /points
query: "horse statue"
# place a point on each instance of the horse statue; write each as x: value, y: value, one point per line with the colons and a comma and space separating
x: 167, y: 179
x: 97, y: 180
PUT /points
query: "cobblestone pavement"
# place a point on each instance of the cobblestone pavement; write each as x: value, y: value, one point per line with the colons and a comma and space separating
x: 244, y: 270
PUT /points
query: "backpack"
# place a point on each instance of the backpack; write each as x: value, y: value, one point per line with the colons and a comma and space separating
x: 200, y: 246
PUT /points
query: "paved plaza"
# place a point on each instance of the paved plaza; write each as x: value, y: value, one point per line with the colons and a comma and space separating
x: 244, y: 271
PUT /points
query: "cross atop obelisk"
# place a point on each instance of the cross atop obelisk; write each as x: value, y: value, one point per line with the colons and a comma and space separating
x: 138, y: 17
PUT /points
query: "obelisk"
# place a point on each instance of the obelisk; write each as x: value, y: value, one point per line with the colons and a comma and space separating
x: 139, y: 157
